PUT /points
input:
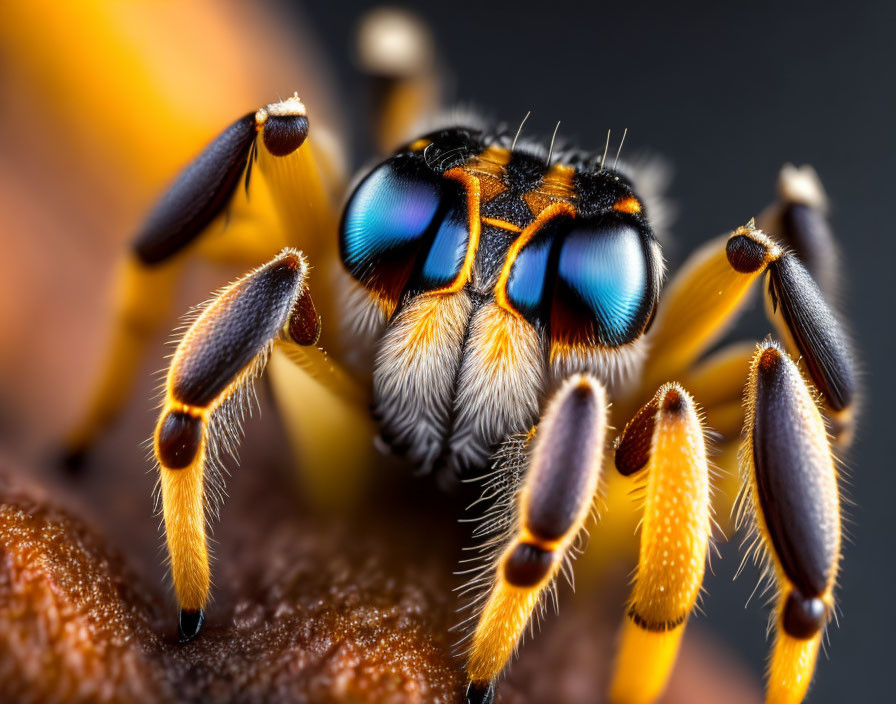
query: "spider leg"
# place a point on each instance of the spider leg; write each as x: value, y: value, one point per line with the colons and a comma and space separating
x: 704, y: 298
x: 554, y: 500
x: 799, y: 220
x: 325, y: 414
x: 812, y: 332
x: 663, y: 445
x: 396, y: 54
x: 302, y: 171
x: 224, y: 349
x: 718, y: 382
x: 216, y: 212
x: 712, y: 288
x: 791, y: 496
x: 137, y: 318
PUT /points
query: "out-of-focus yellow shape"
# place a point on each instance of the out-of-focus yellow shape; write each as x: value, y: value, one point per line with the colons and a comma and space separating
x: 674, y: 540
x: 144, y: 84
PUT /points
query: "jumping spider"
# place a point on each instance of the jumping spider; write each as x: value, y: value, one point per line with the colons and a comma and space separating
x: 500, y: 307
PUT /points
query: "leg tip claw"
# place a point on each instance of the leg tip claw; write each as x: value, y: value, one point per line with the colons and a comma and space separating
x: 189, y: 623
x: 480, y: 693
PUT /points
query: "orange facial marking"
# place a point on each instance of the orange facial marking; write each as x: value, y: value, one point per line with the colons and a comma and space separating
x: 557, y: 182
x: 492, y: 186
x: 537, y: 201
x: 629, y: 204
x: 502, y: 224
x: 552, y: 211
x: 474, y: 194
x: 424, y: 329
x: 492, y: 160
x: 556, y: 185
x: 385, y: 304
x: 502, y: 339
x: 488, y: 167
x: 561, y: 349
x: 564, y: 350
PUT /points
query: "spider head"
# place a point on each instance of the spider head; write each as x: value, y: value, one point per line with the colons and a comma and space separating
x: 492, y: 274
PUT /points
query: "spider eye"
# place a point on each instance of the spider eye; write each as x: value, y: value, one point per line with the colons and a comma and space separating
x: 405, y: 228
x: 590, y: 282
x: 604, y: 279
x: 529, y: 278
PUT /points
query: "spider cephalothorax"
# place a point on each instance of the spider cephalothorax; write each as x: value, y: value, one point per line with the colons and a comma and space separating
x: 490, y: 301
x: 491, y: 274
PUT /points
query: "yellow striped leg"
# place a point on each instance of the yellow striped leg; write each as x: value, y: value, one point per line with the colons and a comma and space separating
x: 791, y: 496
x: 812, y: 332
x: 717, y: 381
x: 664, y: 442
x: 703, y: 299
x: 221, y: 208
x: 144, y: 299
x: 553, y: 504
x: 221, y: 353
x: 712, y: 287
x: 297, y: 172
x: 326, y: 416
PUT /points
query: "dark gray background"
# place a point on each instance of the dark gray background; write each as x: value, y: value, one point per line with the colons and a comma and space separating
x: 727, y: 93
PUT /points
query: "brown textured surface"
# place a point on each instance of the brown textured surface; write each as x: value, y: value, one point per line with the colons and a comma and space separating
x: 72, y: 624
x: 311, y: 612
x: 306, y: 610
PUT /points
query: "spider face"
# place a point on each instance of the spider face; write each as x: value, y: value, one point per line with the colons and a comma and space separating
x: 490, y: 273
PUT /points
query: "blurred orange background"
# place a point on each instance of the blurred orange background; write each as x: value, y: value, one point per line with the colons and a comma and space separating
x: 101, y: 104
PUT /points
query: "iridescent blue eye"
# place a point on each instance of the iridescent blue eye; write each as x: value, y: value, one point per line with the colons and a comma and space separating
x: 405, y: 228
x: 589, y: 282
x: 529, y: 274
x: 448, y: 251
x: 603, y: 274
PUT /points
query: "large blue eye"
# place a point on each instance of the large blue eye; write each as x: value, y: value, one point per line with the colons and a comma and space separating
x: 603, y: 276
x: 405, y: 227
x: 589, y: 282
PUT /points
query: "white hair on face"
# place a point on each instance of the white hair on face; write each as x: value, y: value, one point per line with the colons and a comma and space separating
x: 615, y: 367
x: 362, y: 322
x: 499, y: 388
x: 650, y: 176
x: 415, y: 372
x: 459, y: 115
